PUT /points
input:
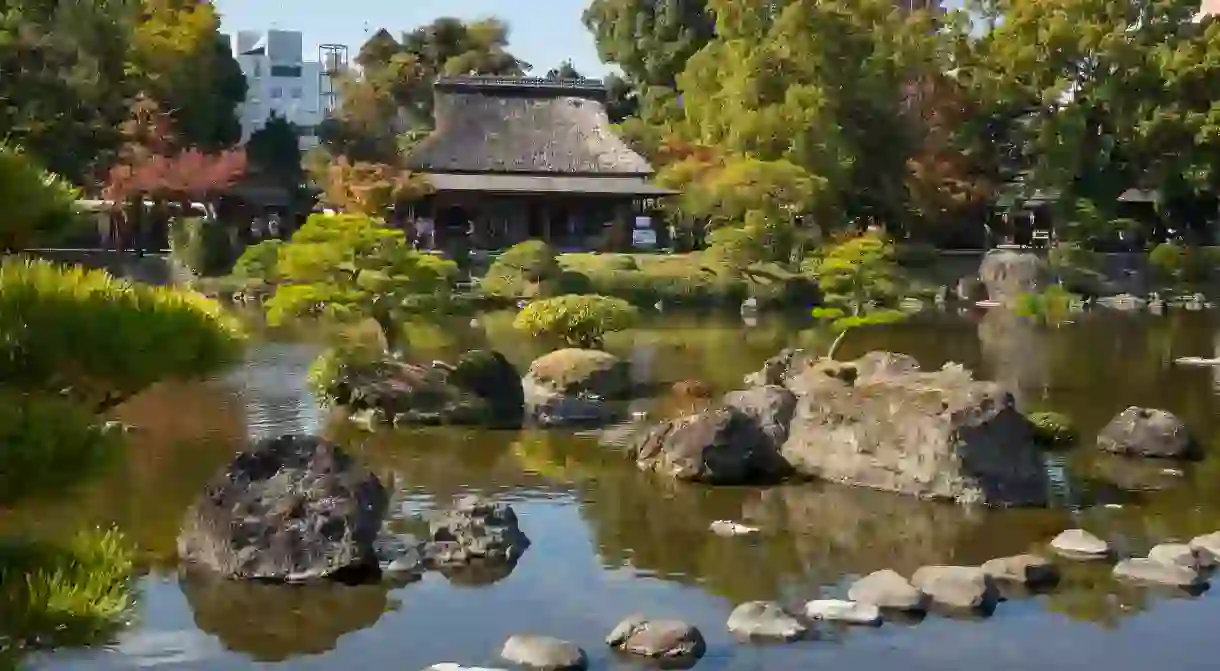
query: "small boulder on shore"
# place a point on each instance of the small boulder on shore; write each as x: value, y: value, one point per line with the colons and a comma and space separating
x: 957, y: 587
x: 1150, y: 571
x: 1027, y: 570
x: 1147, y: 432
x: 671, y: 640
x: 544, y: 653
x: 887, y: 589
x: 289, y: 509
x: 765, y: 620
x: 573, y: 386
x: 1080, y: 544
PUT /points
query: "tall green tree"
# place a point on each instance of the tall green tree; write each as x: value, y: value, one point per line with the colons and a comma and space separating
x: 274, y: 151
x: 650, y: 40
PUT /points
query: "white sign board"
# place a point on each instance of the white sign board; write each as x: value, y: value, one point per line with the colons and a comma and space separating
x: 644, y: 237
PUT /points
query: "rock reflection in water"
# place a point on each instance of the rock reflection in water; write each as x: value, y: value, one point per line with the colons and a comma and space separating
x: 272, y: 623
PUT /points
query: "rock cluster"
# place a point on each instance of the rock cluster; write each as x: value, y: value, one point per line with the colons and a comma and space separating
x: 878, y: 422
x: 476, y: 540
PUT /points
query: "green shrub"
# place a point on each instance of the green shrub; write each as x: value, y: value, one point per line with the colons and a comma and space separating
x: 1052, y: 429
x: 522, y: 271
x: 37, y: 208
x: 202, y: 246
x: 331, y: 372
x: 580, y: 321
x: 75, y: 593
x: 734, y: 248
x: 1166, y: 261
x: 259, y: 261
x: 1050, y: 307
x: 48, y: 444
x: 101, y: 339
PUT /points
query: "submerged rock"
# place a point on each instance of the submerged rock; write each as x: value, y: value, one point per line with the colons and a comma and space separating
x: 887, y: 589
x: 959, y: 587
x: 544, y: 652
x: 658, y: 639
x: 765, y: 620
x: 880, y: 422
x: 1008, y: 274
x: 292, y: 508
x: 1028, y: 570
x: 1150, y: 571
x: 475, y: 531
x: 482, y: 389
x: 573, y: 386
x: 1080, y: 544
x: 850, y: 612
x: 1146, y: 432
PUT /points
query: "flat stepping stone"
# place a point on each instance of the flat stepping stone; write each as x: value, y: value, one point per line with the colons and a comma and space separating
x: 1175, y: 554
x: 958, y: 587
x: 450, y: 666
x: 765, y: 620
x: 836, y: 610
x: 657, y: 639
x: 1149, y: 571
x: 1080, y: 544
x: 544, y: 653
x: 1028, y: 570
x: 888, y: 589
x: 1208, y: 547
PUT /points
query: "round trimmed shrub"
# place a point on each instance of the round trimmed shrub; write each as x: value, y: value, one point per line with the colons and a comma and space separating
x: 578, y: 321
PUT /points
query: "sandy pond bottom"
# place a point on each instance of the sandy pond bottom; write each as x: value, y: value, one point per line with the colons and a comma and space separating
x: 609, y: 541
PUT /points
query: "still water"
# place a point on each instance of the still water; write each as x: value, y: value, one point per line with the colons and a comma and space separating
x: 609, y: 541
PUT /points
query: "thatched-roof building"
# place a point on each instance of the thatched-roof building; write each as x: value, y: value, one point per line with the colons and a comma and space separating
x: 530, y: 158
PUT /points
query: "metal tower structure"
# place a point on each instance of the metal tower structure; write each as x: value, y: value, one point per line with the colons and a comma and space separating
x: 333, y: 58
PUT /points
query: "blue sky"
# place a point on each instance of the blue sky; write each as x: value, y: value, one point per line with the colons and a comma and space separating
x: 544, y: 32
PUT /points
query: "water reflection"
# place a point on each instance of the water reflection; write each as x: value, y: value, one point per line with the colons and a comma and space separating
x: 609, y: 540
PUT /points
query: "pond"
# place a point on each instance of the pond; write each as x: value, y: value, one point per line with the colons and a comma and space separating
x: 609, y: 541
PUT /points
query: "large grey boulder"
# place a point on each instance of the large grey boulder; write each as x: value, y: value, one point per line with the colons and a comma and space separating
x: 1008, y: 274
x: 957, y: 587
x: 887, y: 589
x: 1146, y: 432
x: 880, y: 422
x: 721, y: 446
x: 669, y: 640
x: 765, y: 620
x: 481, y: 389
x: 544, y: 653
x: 574, y: 386
x: 771, y: 408
x: 293, y: 508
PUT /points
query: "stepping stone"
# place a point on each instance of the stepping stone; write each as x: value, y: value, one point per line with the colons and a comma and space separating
x: 1208, y: 547
x: 888, y: 589
x: 1175, y: 554
x: 959, y: 587
x: 450, y: 666
x: 836, y: 610
x: 658, y: 639
x: 1148, y: 571
x: 1080, y: 544
x: 1028, y: 570
x: 765, y: 619
x: 544, y: 652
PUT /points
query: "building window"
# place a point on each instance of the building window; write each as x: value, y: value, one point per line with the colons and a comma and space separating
x: 277, y: 92
x: 297, y: 93
x: 285, y: 71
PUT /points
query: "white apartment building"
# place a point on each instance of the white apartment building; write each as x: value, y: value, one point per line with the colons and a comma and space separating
x: 280, y: 81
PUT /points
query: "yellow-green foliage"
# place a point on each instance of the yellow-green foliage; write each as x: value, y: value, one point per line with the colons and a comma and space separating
x: 36, y: 207
x: 1052, y: 429
x: 73, y: 593
x: 1181, y: 264
x: 522, y: 271
x: 259, y: 262
x: 1050, y: 307
x: 858, y: 273
x: 344, y: 265
x: 344, y: 361
x: 581, y: 321
x: 100, y: 338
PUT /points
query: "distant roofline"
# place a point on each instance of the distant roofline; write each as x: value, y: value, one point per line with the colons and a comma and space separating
x: 586, y: 88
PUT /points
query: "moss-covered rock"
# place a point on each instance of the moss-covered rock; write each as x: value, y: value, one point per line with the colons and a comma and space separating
x: 572, y: 386
x: 1053, y: 429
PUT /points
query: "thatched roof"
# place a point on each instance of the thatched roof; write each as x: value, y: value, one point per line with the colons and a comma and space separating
x: 516, y: 125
